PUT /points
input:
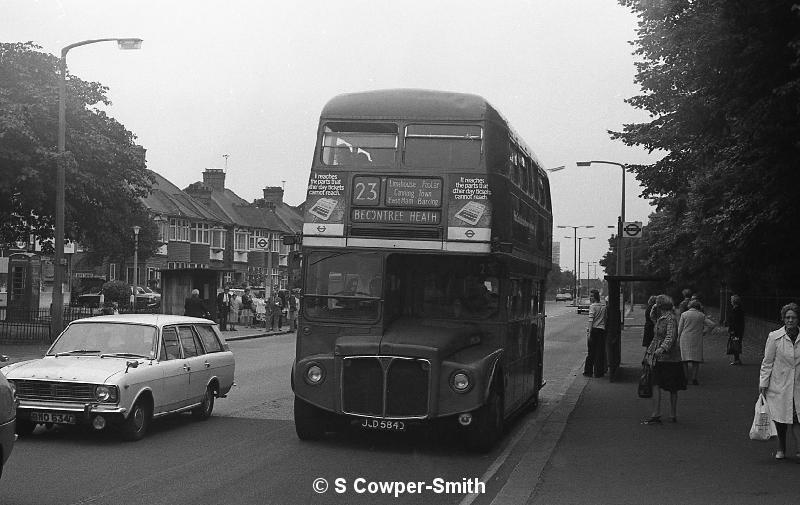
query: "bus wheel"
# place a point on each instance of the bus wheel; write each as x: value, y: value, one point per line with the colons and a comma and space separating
x: 309, y: 421
x: 487, y: 424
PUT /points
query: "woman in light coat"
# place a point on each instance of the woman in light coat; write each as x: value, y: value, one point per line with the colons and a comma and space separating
x: 664, y: 355
x: 692, y: 326
x: 780, y: 378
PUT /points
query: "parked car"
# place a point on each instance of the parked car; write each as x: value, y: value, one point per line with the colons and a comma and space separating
x: 583, y: 305
x: 145, y: 298
x: 124, y: 371
x: 8, y: 415
x: 563, y: 297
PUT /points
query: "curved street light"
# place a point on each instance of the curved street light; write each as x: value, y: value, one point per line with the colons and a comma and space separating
x: 57, y: 305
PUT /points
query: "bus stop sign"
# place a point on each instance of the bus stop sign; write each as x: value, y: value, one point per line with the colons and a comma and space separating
x: 632, y: 229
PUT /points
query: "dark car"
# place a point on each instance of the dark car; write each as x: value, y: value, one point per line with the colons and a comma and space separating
x: 8, y: 416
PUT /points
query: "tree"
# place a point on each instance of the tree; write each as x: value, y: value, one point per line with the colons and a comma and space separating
x: 721, y: 80
x: 106, y: 176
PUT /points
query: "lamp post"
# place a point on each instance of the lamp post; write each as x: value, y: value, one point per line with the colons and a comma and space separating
x: 135, y: 264
x: 579, y: 251
x: 621, y: 219
x: 575, y: 256
x: 57, y: 310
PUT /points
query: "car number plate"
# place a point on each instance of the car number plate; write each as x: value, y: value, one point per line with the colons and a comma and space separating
x: 52, y: 417
x: 383, y: 424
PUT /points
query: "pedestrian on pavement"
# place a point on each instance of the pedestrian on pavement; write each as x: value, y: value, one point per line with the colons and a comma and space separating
x: 233, y: 315
x: 684, y: 305
x: 246, y: 314
x: 223, y: 308
x: 276, y: 312
x: 596, y: 337
x: 664, y: 355
x: 735, y: 323
x: 260, y: 306
x: 193, y: 306
x: 649, y: 324
x: 692, y: 326
x: 780, y: 378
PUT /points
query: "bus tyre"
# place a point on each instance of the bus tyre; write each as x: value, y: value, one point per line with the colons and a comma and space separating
x: 203, y: 411
x: 309, y: 421
x: 25, y: 427
x: 135, y: 426
x: 487, y: 424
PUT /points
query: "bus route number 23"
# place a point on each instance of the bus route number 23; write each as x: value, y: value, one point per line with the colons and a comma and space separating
x: 366, y: 190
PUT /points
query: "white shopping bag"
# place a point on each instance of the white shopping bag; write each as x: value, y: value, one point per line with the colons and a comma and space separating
x: 763, y: 428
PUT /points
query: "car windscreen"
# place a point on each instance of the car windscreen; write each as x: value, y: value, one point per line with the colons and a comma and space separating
x: 107, y: 338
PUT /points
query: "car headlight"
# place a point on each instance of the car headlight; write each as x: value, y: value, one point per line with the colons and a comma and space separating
x: 105, y: 394
x: 460, y: 382
x: 314, y: 374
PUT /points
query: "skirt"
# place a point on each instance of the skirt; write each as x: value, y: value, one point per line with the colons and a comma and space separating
x: 668, y: 375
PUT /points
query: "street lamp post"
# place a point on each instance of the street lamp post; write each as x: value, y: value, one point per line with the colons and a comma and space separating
x: 621, y: 219
x: 579, y: 251
x: 575, y: 256
x: 57, y: 307
x: 135, y: 264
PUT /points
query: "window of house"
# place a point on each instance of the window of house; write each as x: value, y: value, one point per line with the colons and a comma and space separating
x: 257, y: 238
x: 276, y: 243
x: 200, y: 233
x: 218, y: 238
x: 179, y: 229
x: 163, y: 230
x: 241, y: 239
x: 112, y: 271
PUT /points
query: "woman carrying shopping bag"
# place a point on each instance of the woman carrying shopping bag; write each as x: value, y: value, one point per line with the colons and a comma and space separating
x: 780, y: 378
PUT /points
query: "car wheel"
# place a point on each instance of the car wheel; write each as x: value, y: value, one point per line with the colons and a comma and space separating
x: 309, y: 421
x: 203, y: 412
x: 487, y: 424
x: 135, y: 426
x: 25, y: 427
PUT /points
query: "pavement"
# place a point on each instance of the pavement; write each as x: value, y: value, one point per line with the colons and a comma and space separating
x: 604, y: 455
x: 22, y: 352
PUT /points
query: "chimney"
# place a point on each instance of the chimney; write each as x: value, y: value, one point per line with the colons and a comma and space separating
x: 273, y: 195
x: 215, y: 177
x: 200, y: 191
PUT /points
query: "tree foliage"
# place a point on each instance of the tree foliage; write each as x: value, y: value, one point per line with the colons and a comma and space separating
x: 106, y: 174
x: 721, y: 80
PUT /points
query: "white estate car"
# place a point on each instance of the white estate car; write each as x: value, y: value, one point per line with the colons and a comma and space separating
x: 124, y: 370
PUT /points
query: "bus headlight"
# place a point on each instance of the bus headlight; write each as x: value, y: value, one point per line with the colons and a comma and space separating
x: 106, y: 394
x: 314, y: 374
x: 461, y: 382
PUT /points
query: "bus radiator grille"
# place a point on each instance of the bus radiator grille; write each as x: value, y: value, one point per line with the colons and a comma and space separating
x: 362, y: 386
x: 407, y: 388
x: 399, y: 233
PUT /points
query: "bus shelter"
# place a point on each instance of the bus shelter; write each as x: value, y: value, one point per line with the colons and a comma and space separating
x: 614, y: 321
x: 177, y: 284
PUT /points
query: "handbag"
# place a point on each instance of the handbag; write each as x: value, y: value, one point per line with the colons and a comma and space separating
x: 734, y: 345
x: 645, y: 389
x: 762, y: 428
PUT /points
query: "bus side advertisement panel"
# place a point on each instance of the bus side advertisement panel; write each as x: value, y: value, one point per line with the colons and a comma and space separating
x: 469, y: 215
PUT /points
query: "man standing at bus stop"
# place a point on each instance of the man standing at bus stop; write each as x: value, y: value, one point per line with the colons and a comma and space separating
x: 596, y: 333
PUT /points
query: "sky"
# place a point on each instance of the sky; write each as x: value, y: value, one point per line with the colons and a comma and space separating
x: 248, y: 79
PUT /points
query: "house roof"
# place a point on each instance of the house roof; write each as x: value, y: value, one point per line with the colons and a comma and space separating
x: 169, y: 200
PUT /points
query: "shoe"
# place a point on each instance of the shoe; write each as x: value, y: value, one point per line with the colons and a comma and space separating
x: 780, y: 455
x: 652, y: 420
x: 695, y: 383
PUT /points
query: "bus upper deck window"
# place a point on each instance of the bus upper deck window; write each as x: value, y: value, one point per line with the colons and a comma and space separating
x: 442, y: 145
x: 359, y: 144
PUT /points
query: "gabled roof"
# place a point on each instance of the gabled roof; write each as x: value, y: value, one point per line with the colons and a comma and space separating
x: 169, y: 200
x: 239, y: 211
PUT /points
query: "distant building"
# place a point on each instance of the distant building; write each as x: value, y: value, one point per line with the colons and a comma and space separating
x: 557, y: 253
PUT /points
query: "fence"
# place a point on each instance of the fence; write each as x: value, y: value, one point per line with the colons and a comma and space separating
x: 33, y: 326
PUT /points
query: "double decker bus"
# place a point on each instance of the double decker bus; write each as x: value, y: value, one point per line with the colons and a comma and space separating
x: 425, y: 248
